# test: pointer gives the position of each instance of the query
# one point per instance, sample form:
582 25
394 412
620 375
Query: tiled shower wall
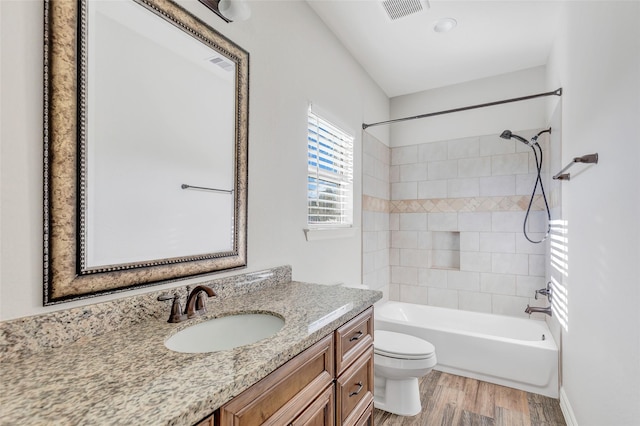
456 217
375 214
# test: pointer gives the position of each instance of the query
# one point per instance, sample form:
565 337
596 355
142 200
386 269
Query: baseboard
567 411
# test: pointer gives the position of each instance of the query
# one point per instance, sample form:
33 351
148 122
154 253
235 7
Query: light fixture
445 24
229 10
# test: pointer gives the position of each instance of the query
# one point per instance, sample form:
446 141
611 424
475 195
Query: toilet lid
397 345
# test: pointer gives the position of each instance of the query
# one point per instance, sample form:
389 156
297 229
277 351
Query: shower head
508 135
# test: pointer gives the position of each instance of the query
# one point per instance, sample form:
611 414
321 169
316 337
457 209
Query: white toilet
399 361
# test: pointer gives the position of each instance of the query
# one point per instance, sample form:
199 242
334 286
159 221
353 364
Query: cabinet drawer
353 338
284 394
354 389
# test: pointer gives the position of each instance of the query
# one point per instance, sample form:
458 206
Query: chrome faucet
533 309
196 303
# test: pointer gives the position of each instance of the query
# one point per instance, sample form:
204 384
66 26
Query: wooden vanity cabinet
326 385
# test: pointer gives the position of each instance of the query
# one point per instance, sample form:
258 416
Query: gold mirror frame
64 280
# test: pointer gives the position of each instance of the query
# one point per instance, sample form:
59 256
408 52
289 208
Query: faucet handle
176 309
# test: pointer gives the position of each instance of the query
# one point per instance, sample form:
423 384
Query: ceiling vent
397 9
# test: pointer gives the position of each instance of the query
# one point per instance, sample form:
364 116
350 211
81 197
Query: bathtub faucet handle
544 291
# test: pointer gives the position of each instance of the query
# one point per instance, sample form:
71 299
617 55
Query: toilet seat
401 346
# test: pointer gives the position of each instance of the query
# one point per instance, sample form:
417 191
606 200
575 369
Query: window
330 174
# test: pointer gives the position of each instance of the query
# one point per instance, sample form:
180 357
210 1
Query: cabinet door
367 417
319 413
354 389
284 394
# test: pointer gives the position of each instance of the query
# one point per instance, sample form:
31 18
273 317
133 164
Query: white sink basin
225 333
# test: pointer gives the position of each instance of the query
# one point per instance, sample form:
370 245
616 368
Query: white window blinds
330 174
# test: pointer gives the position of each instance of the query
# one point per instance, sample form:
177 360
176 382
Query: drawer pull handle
360 387
356 336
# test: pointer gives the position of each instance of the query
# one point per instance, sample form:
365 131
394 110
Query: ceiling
406 56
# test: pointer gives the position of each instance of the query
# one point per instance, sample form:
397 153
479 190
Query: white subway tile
443 297
526 285
394 174
475 261
394 221
404 275
432 189
507 221
432 277
368 262
509 305
425 240
432 151
404 239
394 291
413 172
413 222
394 257
381 259
510 164
494 145
537 265
474 167
462 280
443 222
442 169
476 222
404 191
537 221
383 238
472 301
524 246
524 184
446 240
469 241
414 294
498 242
369 241
463 148
467 187
368 165
506 263
381 171
498 284
414 257
445 259
382 221
495 186
404 155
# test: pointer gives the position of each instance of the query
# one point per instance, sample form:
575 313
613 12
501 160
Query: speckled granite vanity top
127 376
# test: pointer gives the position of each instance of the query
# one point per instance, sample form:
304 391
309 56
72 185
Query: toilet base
397 396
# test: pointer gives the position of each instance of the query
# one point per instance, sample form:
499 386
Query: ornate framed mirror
145 147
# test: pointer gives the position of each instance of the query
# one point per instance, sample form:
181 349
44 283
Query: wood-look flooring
449 400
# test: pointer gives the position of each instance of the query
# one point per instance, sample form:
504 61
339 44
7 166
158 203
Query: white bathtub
508 351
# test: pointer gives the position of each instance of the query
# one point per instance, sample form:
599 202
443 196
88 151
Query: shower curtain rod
557 92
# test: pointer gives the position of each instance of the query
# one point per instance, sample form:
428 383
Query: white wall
484 121
596 59
294 60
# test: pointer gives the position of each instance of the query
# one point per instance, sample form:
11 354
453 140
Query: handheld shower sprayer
507 134
533 144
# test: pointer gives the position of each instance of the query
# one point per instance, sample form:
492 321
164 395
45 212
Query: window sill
317 234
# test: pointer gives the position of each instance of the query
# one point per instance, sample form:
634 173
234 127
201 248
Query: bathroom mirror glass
145 147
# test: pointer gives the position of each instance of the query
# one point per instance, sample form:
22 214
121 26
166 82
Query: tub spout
533 309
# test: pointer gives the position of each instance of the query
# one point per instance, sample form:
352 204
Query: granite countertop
127 376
